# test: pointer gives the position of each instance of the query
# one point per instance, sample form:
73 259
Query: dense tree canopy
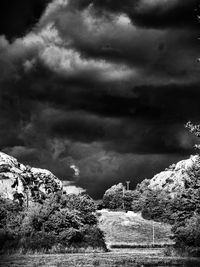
64 220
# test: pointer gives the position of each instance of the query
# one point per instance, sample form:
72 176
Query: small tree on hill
113 197
117 197
128 199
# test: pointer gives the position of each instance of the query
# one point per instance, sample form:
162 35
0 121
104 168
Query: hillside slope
131 229
181 175
18 181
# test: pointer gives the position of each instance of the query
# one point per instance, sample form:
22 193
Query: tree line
60 223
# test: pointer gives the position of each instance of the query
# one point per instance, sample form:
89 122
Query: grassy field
110 259
131 230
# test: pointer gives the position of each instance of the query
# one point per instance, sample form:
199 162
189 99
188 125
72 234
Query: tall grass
182 251
56 249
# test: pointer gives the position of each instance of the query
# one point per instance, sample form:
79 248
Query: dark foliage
113 197
65 220
117 197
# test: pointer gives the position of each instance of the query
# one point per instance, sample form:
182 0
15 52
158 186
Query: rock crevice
18 181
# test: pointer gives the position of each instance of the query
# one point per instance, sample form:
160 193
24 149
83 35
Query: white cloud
76 170
123 20
53 7
56 53
70 62
72 189
45 37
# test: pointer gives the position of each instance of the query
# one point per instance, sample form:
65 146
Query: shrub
94 237
61 219
188 231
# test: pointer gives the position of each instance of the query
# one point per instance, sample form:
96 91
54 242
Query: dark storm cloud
24 154
100 171
142 132
18 16
141 121
150 53
104 85
149 102
148 13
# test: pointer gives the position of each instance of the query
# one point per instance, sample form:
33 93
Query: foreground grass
135 258
130 230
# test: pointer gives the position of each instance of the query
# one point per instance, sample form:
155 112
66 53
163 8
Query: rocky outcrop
182 175
21 182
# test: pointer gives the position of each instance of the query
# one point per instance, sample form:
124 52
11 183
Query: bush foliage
117 198
65 220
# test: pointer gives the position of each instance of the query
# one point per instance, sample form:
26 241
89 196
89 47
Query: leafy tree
113 197
61 219
128 199
152 208
188 233
117 197
143 186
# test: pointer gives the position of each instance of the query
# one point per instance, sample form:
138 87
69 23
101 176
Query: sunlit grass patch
130 229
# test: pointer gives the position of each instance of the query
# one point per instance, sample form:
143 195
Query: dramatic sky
104 85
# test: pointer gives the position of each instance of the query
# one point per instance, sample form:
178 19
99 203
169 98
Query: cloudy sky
102 85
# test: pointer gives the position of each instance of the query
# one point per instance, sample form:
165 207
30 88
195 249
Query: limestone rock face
178 176
18 181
